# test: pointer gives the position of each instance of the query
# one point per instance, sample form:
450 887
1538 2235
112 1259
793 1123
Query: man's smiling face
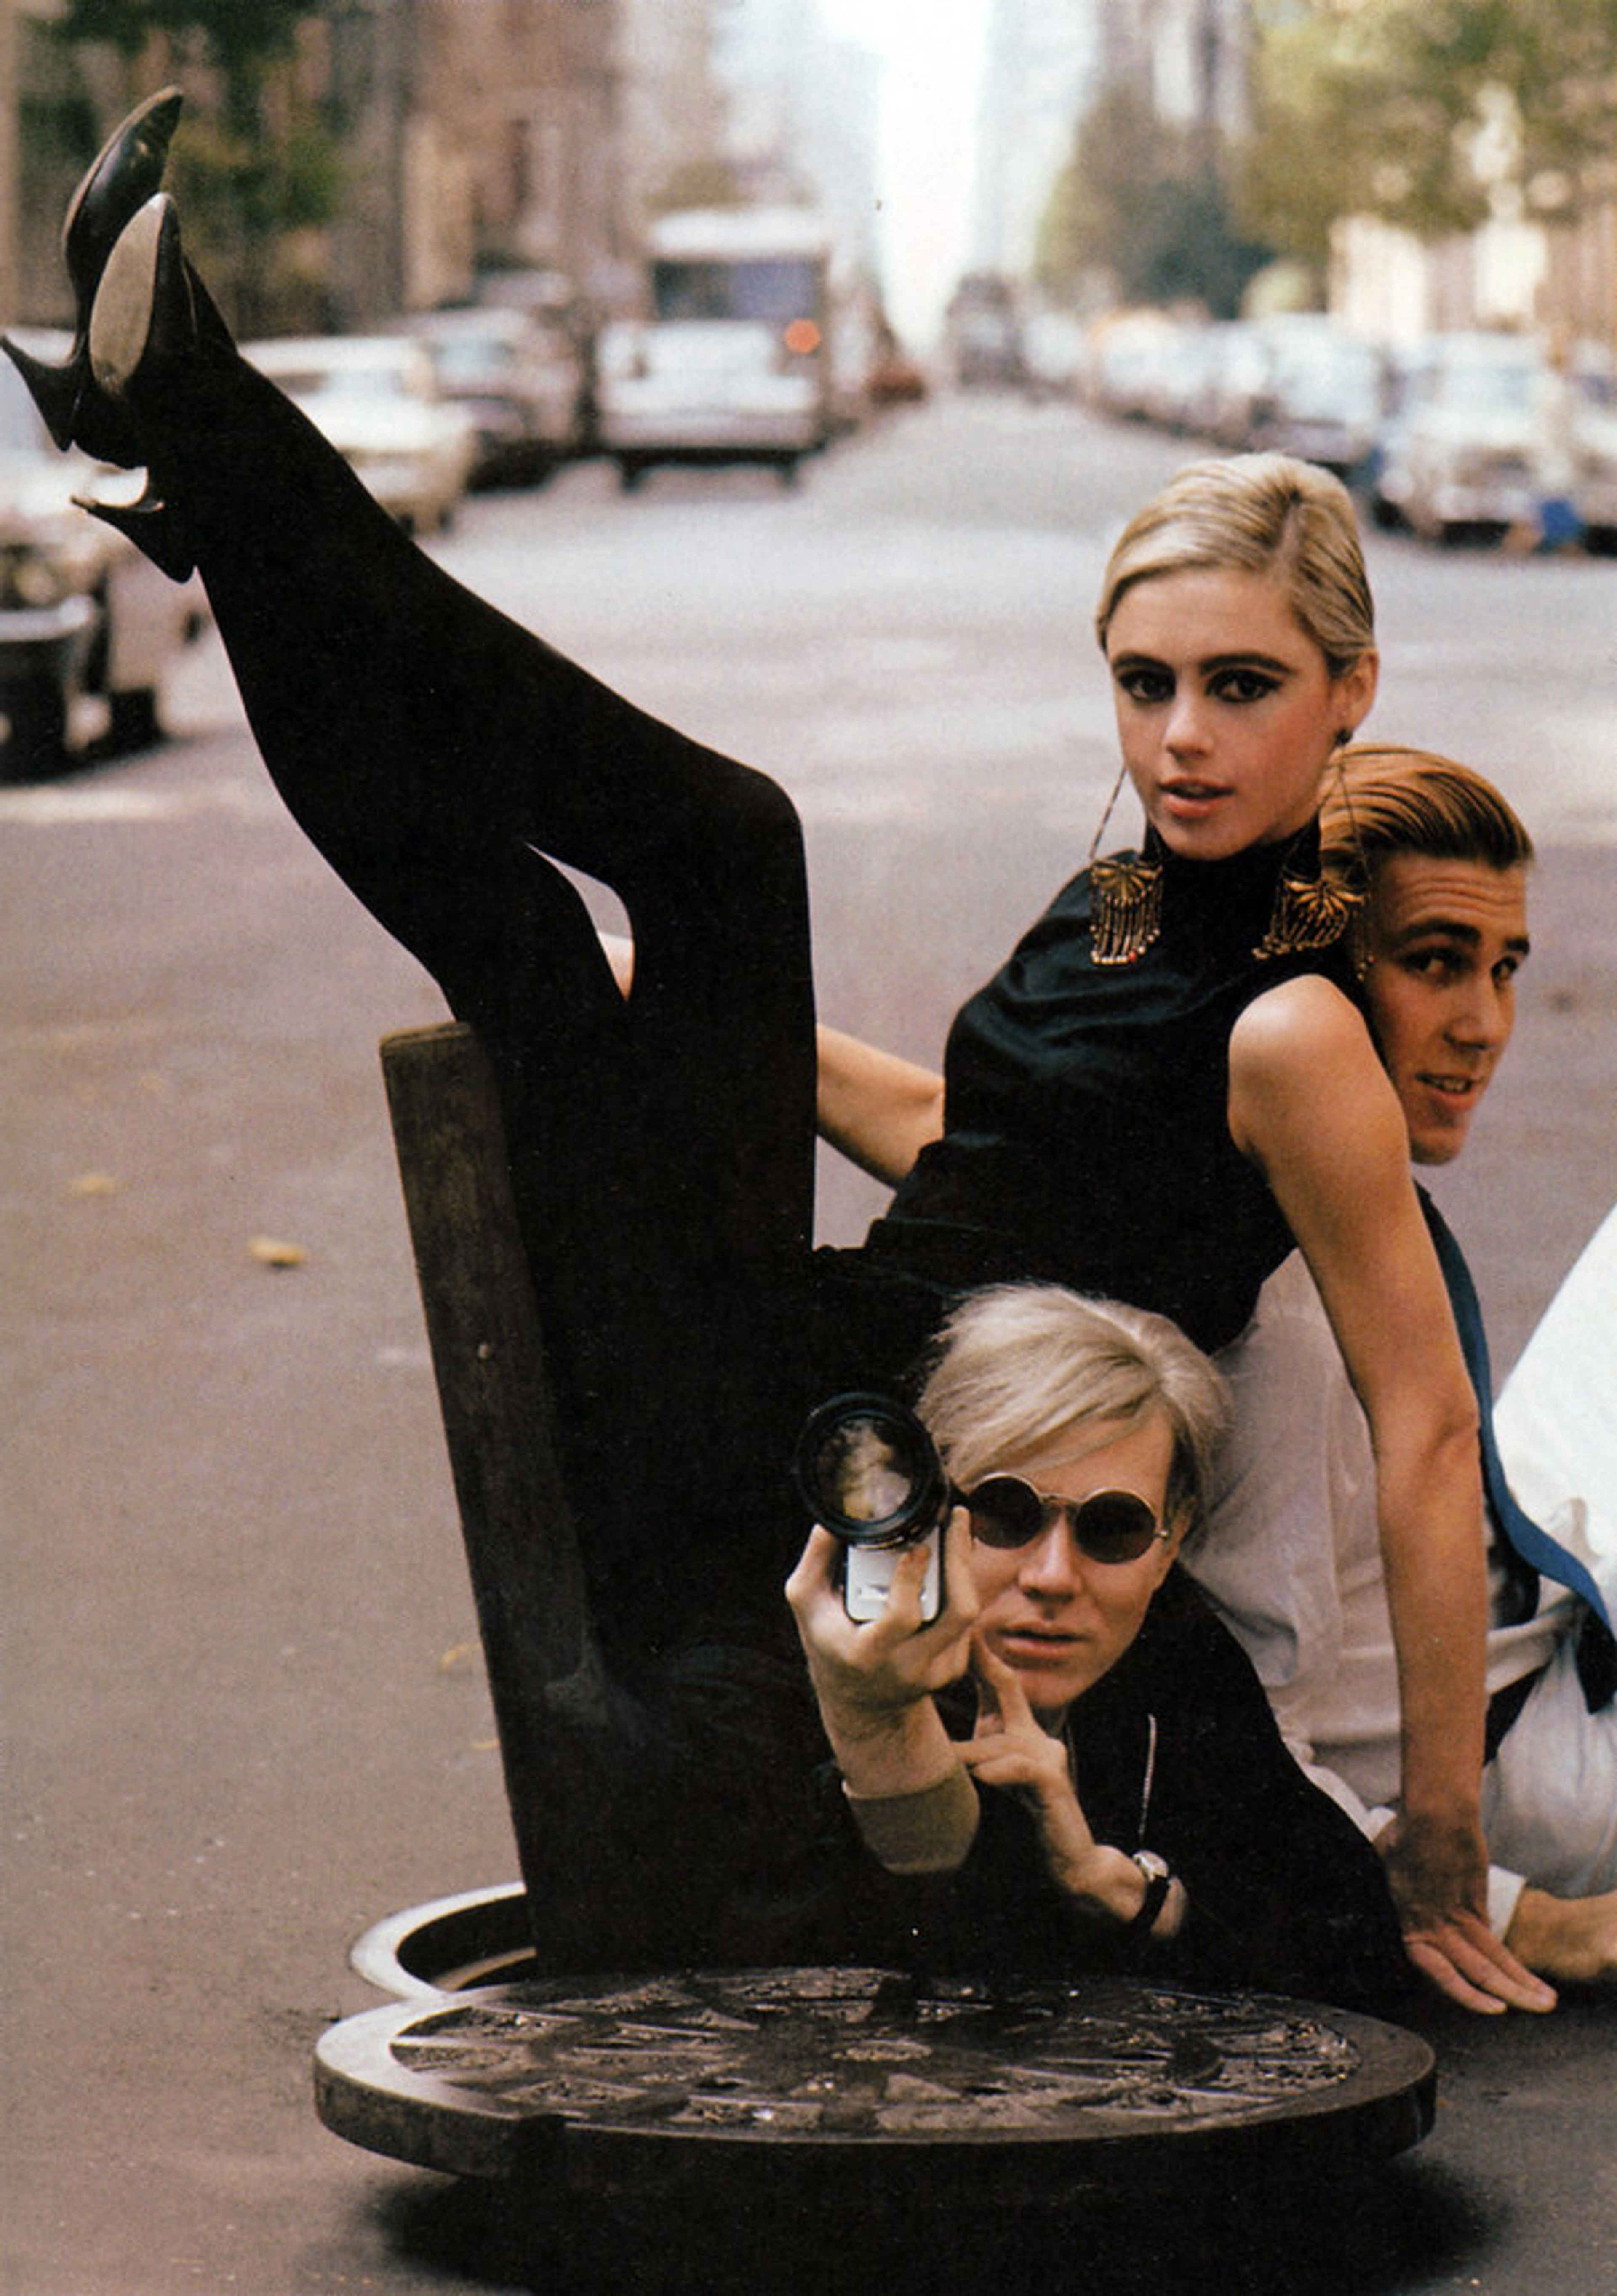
1446 939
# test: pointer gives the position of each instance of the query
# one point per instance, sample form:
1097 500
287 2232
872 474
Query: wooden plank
500 1424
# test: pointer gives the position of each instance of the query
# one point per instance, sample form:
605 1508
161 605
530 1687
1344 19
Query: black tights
443 758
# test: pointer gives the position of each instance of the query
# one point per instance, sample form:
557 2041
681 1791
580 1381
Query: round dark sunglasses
1107 1527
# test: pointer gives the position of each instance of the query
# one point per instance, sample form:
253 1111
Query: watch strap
1159 1880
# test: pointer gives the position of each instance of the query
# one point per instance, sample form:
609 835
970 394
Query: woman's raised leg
444 759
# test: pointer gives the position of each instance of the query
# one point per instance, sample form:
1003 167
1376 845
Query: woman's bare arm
1310 1104
879 1110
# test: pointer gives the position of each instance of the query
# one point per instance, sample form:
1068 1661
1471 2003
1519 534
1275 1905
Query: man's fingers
997 1761
1473 1948
812 1572
1000 1686
1443 1974
1473 1957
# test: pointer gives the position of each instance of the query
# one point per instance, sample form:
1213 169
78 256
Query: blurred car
520 376
1177 393
1239 370
1055 352
1130 354
983 333
376 399
81 610
1595 479
895 378
703 390
1409 367
1595 446
1474 445
1323 401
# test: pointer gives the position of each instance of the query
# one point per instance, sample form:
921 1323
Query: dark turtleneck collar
1223 908
1242 884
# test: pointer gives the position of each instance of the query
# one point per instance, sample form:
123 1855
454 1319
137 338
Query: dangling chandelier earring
1311 912
1126 912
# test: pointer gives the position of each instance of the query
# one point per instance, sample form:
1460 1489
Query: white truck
733 361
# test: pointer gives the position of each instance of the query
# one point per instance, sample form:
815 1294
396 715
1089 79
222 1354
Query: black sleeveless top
1087 1138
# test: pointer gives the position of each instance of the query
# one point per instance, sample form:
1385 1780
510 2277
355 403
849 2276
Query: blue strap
1597 1655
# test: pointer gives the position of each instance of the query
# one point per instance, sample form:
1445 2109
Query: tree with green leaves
1426 113
261 166
1142 200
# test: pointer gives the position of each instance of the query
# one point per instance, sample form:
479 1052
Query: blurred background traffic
479 240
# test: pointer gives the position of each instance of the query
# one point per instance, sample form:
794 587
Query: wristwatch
1159 1880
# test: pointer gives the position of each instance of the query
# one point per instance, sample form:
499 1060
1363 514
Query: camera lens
866 1469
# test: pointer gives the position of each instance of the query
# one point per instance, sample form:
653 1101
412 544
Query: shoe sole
120 323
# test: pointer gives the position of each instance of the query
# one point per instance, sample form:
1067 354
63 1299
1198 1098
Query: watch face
1155 1868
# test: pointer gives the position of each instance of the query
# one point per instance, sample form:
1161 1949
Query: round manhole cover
680 2075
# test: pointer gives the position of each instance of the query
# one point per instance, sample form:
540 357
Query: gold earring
1309 913
1127 912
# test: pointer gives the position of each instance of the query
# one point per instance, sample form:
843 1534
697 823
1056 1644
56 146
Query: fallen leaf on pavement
270 1252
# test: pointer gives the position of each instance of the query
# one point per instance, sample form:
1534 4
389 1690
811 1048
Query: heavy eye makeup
1243 684
1152 683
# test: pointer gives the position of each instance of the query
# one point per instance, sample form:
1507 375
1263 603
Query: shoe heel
152 525
55 390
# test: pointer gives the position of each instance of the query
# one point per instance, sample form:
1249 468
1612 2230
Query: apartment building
533 132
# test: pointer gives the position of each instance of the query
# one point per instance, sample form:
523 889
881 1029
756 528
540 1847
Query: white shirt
1290 1554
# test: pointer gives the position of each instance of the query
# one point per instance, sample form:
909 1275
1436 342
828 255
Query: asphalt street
244 1703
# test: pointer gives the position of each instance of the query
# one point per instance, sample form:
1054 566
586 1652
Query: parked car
1239 366
1472 446
376 399
1594 481
982 330
81 610
703 390
519 375
1594 478
1594 373
1055 351
1322 399
895 378
1131 353
1176 394
1409 368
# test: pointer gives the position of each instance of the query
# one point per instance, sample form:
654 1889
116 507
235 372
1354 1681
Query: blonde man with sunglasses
1071 1766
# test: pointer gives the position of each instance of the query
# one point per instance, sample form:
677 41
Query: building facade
1042 64
529 133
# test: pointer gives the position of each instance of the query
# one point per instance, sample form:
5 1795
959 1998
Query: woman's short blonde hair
1268 514
1020 1364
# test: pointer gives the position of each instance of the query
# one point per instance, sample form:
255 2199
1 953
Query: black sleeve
1283 1891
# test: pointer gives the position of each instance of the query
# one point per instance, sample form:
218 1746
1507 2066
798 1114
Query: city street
245 1711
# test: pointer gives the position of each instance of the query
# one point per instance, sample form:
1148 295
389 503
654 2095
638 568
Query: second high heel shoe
145 318
125 172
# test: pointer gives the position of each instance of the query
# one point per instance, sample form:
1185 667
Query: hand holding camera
868 1472
870 1477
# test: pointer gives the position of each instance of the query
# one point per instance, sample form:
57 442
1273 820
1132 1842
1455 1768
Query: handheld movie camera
868 1470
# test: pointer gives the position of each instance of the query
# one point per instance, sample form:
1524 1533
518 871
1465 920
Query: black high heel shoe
123 176
145 315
